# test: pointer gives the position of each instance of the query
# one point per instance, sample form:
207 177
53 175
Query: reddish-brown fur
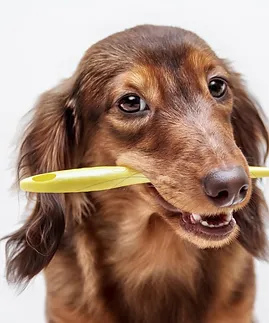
118 256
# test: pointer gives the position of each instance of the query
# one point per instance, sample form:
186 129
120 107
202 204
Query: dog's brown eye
217 88
132 104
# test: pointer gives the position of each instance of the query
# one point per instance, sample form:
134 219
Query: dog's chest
166 300
159 287
174 291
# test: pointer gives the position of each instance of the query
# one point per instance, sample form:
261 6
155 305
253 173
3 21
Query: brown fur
118 256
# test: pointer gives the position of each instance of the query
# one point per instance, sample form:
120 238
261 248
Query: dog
181 249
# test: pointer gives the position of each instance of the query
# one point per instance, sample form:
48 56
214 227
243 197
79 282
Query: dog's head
159 100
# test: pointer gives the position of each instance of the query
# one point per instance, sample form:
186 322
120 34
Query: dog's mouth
215 227
210 227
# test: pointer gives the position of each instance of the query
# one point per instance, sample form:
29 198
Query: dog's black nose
226 187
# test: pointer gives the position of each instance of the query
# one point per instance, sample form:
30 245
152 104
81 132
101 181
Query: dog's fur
117 256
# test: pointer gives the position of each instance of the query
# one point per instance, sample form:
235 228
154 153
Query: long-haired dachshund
180 250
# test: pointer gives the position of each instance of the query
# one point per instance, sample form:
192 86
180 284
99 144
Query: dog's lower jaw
202 242
205 230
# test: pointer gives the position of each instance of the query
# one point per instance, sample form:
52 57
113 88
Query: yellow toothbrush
96 179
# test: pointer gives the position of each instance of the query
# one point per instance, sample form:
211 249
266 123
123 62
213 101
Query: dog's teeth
222 224
204 223
228 218
196 217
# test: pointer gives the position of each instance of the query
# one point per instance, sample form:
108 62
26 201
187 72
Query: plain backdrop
41 43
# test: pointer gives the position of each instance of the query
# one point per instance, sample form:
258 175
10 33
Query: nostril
243 191
220 197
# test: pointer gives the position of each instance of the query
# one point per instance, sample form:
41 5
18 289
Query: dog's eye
132 103
217 87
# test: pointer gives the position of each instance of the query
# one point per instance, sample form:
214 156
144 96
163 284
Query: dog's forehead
151 60
154 80
152 45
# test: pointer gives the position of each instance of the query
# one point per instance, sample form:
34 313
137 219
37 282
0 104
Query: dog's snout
226 187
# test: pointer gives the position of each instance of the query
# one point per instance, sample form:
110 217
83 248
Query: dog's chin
205 231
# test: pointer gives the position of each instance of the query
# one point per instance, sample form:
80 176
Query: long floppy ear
251 135
49 144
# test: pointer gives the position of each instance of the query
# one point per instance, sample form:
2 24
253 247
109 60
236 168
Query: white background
41 42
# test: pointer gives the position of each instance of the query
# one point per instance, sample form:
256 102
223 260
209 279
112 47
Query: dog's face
168 114
156 99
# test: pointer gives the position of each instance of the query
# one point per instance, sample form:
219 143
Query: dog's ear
49 143
251 135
